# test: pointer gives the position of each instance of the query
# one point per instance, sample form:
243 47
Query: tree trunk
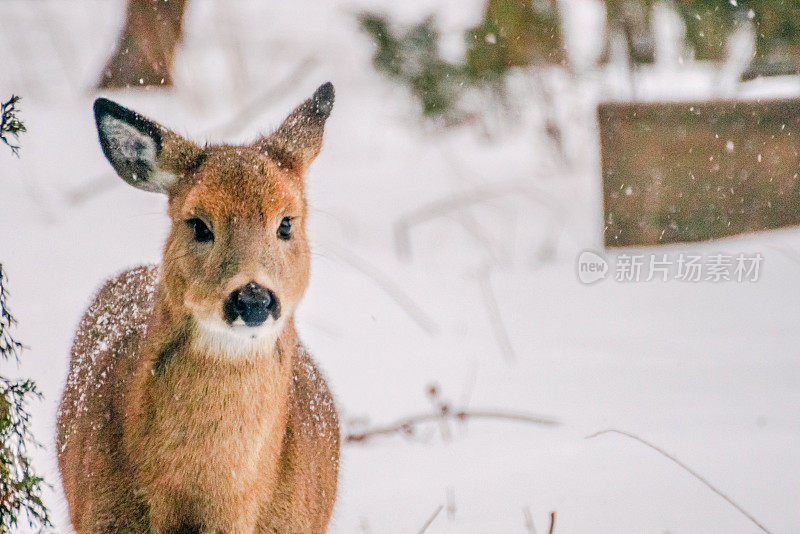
146 49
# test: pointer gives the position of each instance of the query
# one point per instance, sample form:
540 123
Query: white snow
708 371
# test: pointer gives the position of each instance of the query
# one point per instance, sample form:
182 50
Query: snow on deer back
190 404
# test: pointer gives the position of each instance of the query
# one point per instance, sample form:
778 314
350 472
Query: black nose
253 303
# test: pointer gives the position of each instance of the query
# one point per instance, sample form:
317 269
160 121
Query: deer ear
297 141
143 153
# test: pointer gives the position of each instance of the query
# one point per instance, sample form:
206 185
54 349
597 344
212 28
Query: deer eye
285 229
202 233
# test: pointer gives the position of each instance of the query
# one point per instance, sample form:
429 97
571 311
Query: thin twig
89 189
390 287
231 44
451 503
442 407
526 513
468 222
550 123
37 194
495 317
552 522
459 201
686 468
254 107
61 43
430 520
407 425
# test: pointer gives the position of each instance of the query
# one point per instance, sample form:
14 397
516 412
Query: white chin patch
238 340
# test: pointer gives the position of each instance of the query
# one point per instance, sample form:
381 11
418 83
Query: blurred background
476 150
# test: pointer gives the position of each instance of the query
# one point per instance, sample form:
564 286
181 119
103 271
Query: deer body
191 405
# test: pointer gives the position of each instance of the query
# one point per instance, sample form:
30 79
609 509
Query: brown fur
162 431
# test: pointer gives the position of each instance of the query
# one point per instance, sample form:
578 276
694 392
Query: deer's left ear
298 140
144 154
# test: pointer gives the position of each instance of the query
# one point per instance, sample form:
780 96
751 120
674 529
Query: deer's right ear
143 153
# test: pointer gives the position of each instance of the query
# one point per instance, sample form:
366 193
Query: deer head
236 260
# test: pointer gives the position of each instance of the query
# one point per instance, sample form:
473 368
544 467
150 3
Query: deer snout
252 302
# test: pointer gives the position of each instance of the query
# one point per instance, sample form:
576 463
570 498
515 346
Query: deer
191 405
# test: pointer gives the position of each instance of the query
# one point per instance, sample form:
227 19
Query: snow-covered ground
708 371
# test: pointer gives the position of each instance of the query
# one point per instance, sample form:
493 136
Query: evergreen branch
9 347
20 486
10 125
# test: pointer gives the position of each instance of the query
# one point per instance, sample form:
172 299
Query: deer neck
204 409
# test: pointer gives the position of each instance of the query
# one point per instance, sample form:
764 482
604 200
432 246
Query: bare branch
459 201
390 288
686 468
451 503
89 189
495 317
552 522
440 406
431 519
526 513
550 125
407 425
252 108
468 222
